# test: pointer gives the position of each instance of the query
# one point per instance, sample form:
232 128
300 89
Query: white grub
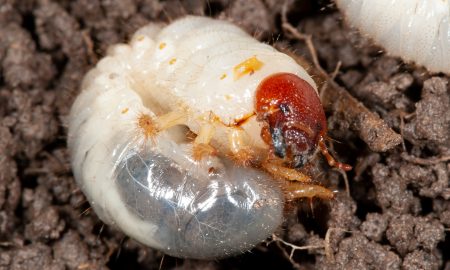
415 30
148 185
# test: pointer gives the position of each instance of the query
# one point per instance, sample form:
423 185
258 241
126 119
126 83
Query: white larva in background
415 30
140 172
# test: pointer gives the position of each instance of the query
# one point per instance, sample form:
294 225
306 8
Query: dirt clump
390 120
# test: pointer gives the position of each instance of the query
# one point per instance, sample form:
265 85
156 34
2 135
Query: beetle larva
196 197
416 30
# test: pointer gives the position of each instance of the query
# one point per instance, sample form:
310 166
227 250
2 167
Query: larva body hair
166 127
415 30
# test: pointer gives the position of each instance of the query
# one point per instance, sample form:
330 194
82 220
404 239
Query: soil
393 127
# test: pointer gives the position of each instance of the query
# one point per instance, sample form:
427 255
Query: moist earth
392 123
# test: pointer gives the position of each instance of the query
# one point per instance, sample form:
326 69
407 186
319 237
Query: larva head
293 115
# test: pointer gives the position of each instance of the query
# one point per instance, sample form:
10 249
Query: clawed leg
300 185
201 146
240 150
152 127
171 119
285 173
296 190
330 159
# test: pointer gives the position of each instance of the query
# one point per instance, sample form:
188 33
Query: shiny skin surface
293 114
415 30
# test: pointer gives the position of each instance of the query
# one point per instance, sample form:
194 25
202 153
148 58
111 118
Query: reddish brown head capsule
293 115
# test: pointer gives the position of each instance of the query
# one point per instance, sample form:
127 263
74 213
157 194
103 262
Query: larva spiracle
415 30
237 97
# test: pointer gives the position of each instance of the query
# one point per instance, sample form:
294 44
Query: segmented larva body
238 97
416 30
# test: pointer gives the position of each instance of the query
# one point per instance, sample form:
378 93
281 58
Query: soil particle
374 226
252 16
342 213
8 14
431 124
406 233
30 119
420 259
357 252
71 251
351 78
119 9
89 11
46 225
429 232
351 114
9 183
10 187
296 233
34 256
152 9
401 81
380 93
56 28
391 120
443 209
392 192
332 48
430 181
384 68
21 65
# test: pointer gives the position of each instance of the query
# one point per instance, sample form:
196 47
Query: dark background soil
398 212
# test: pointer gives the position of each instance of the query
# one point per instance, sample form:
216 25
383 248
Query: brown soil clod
396 217
369 127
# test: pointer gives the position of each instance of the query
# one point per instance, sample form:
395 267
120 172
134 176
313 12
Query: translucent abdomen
206 210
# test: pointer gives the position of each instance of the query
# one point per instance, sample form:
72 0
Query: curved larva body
151 187
416 30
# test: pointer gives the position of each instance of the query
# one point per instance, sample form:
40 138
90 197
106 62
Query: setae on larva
416 30
173 135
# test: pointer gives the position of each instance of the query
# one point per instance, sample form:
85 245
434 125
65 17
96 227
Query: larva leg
240 150
201 146
300 185
170 119
285 173
151 126
330 159
297 190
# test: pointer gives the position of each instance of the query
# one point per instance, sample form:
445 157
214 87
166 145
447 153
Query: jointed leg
285 173
300 185
330 159
201 146
171 119
240 150
151 127
296 190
